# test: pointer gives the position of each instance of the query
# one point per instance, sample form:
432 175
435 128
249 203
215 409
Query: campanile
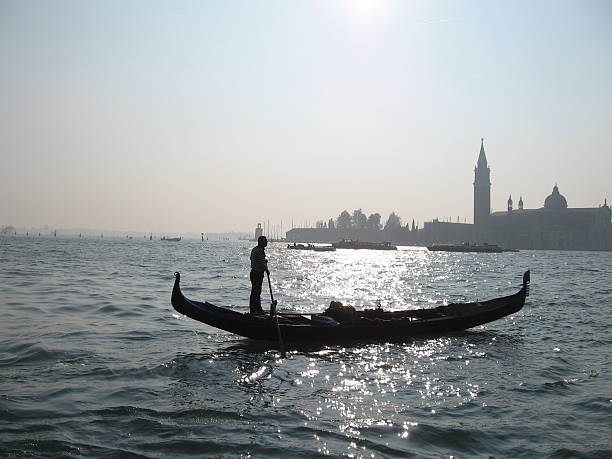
482 189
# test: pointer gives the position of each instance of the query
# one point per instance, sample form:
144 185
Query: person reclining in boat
259 266
341 312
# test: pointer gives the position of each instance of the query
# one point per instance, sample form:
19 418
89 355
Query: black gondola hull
462 317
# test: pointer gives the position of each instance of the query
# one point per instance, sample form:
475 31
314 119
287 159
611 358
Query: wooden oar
274 316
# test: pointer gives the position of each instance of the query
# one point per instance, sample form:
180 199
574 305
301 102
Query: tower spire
482 157
482 188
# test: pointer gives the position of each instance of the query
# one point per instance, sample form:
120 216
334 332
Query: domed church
555 200
553 226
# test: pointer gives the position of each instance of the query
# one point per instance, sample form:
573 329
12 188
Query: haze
213 116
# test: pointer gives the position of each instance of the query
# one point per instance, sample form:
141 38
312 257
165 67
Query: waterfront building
258 231
555 225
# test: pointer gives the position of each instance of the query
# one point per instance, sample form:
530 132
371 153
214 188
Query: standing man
259 266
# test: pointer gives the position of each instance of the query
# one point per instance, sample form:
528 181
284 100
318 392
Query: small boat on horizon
171 239
357 245
315 248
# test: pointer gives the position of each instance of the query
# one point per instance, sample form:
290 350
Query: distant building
482 189
258 231
553 226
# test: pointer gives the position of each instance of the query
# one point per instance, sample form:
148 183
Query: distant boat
324 248
170 239
315 248
351 244
295 246
467 247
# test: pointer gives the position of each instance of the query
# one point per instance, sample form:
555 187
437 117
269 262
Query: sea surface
95 362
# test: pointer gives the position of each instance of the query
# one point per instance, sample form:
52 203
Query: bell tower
482 189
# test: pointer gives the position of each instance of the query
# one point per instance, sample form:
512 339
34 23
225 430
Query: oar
275 316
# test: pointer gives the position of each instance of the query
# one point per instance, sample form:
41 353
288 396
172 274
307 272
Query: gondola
363 325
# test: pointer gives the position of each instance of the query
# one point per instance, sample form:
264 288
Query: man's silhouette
259 266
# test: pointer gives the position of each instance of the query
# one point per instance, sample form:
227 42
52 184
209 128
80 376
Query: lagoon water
94 361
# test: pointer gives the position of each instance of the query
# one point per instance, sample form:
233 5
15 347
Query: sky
212 116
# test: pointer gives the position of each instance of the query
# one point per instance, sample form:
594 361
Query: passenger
259 266
341 312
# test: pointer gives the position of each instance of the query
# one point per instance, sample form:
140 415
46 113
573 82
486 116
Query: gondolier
259 266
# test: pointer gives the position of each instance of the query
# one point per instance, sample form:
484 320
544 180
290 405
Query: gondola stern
177 296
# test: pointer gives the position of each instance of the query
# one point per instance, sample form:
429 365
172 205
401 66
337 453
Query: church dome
555 200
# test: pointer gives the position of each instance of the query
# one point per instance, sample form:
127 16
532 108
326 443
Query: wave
29 353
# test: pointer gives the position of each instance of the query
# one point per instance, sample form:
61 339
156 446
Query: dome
555 200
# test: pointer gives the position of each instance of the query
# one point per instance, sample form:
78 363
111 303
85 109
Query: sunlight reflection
360 379
365 278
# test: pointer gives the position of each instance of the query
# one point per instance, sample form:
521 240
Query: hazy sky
197 116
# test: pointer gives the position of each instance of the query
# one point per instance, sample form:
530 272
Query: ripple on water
28 353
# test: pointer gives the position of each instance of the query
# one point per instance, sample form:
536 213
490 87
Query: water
94 361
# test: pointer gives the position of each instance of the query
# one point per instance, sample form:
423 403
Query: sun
367 10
